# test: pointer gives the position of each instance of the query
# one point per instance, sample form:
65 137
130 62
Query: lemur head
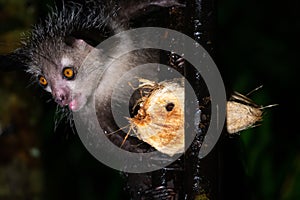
56 71
57 47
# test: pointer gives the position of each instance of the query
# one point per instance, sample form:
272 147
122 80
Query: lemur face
56 70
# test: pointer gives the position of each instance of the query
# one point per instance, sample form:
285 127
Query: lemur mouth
75 103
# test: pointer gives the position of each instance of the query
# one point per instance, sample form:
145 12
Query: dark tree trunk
189 177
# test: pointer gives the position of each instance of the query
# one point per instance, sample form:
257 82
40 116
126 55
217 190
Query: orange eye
43 82
68 73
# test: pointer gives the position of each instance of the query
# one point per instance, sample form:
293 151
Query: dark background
257 44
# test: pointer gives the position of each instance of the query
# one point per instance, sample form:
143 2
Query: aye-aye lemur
55 49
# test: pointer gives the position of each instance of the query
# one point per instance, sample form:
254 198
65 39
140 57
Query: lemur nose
61 96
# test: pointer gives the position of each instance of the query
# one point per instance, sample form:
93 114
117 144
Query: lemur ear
13 61
132 9
78 43
90 37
